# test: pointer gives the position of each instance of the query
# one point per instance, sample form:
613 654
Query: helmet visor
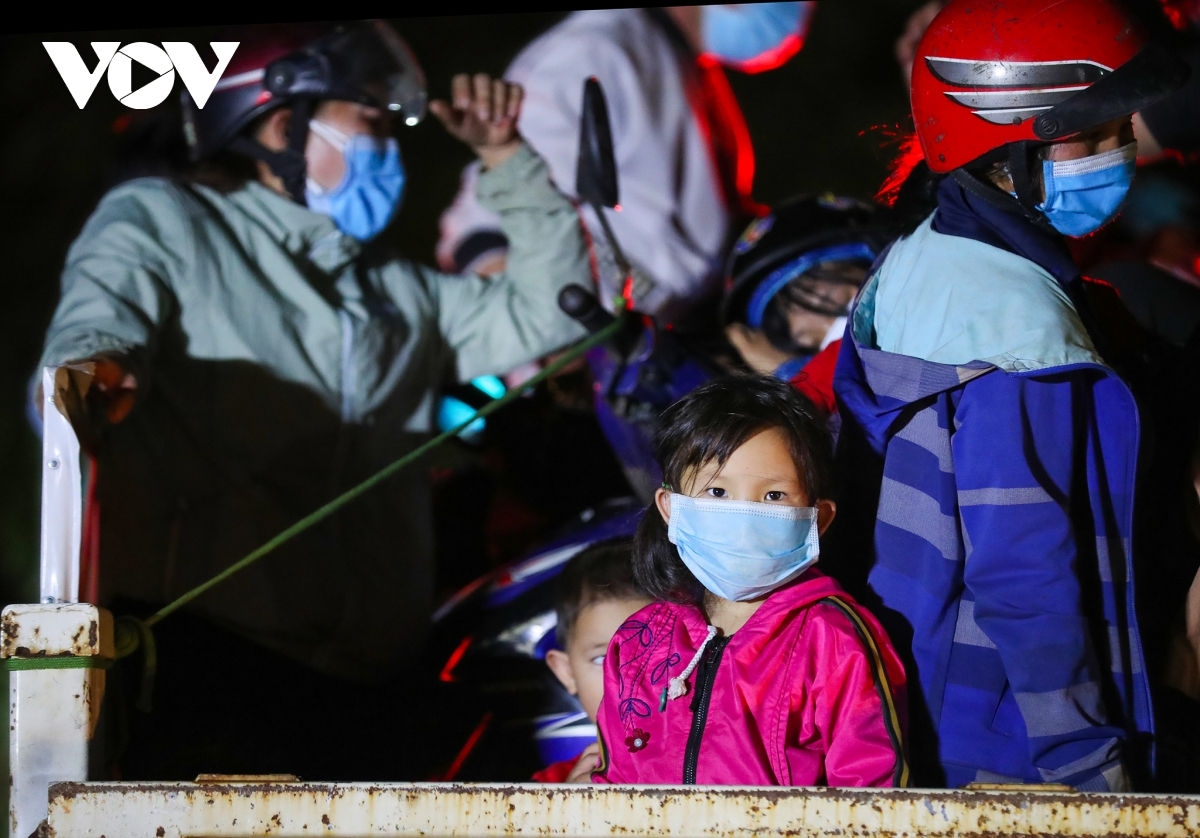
796 270
1153 73
365 62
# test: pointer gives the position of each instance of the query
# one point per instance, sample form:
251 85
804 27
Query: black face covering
290 164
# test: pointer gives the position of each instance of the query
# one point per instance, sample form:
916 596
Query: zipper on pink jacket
704 686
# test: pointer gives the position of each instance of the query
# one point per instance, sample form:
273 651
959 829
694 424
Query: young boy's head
596 593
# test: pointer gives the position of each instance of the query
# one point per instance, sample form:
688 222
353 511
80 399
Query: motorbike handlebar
636 332
584 306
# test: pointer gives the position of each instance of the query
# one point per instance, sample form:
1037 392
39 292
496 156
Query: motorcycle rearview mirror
596 171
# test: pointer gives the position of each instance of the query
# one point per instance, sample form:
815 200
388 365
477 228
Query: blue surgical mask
741 550
738 33
1082 195
370 191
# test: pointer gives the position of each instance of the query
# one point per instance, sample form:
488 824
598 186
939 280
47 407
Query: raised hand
482 112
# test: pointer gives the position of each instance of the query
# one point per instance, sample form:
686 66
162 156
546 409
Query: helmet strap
1020 157
980 187
296 169
1023 160
290 164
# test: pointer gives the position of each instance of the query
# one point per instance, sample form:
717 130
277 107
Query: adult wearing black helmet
976 375
253 350
366 67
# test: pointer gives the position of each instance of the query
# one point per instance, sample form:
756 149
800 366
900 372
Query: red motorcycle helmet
276 65
988 73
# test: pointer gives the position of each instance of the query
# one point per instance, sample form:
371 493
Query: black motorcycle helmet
300 65
782 254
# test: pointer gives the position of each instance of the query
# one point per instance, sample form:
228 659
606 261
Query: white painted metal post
62 499
56 654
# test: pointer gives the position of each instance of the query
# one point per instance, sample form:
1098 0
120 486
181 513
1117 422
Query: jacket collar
961 212
299 230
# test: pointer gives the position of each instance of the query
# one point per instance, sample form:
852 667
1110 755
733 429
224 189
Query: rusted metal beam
234 809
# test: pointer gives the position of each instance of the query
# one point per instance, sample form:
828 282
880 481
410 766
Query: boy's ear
560 665
826 510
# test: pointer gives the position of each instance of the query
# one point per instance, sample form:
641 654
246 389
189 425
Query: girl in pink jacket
753 667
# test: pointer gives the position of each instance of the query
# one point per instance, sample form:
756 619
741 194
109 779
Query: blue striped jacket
1002 535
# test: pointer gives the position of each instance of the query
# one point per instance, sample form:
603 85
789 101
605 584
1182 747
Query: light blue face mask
1083 195
742 550
740 32
370 191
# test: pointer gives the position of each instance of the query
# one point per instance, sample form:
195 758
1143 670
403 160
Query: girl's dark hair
597 573
708 425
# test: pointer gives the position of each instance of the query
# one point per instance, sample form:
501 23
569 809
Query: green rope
137 632
132 633
57 662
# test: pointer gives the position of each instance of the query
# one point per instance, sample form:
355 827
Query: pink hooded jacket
809 692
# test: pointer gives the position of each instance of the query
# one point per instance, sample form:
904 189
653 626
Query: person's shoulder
649 612
147 202
928 247
828 612
811 585
813 594
985 278
148 188
658 622
605 36
592 23
160 193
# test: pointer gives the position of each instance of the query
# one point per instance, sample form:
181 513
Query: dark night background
807 120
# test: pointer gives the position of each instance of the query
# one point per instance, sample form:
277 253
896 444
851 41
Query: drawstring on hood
677 686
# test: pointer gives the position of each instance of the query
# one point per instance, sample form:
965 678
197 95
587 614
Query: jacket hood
877 387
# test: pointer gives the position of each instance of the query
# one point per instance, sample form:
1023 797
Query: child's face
581 667
831 287
761 470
